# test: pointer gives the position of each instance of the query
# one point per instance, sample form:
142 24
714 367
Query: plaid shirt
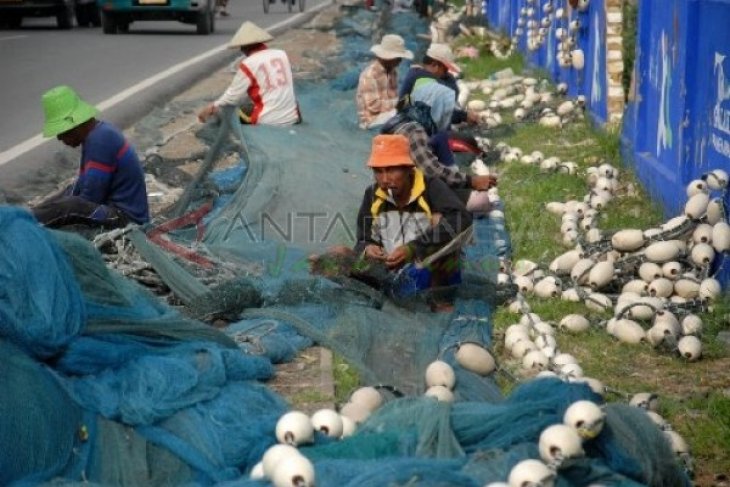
377 92
425 159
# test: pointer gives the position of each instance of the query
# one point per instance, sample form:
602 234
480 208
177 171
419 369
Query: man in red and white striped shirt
264 77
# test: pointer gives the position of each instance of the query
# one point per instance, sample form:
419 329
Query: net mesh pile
112 386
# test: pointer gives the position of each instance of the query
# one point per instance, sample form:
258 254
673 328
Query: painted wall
592 80
677 124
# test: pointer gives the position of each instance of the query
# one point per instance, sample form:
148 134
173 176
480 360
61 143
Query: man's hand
483 183
207 112
376 252
472 117
398 257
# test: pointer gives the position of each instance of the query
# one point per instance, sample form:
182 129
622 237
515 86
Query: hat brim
375 163
453 68
82 113
387 54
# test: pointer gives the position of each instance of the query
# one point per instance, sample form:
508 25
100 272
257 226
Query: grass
346 379
692 395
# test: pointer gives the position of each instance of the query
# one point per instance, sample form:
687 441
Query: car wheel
123 26
108 23
64 17
81 15
205 22
14 21
92 13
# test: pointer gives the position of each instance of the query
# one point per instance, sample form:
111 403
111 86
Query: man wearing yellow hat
110 188
264 77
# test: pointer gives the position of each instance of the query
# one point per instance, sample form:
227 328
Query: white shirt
266 78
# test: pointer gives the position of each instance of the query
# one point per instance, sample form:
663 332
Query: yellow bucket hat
64 110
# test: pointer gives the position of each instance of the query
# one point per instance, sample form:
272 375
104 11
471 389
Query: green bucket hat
64 110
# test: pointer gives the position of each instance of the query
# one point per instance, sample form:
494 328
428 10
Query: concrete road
124 74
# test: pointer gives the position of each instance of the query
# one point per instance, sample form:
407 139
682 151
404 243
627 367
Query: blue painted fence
677 126
592 80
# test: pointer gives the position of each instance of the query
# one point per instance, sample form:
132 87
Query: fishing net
112 385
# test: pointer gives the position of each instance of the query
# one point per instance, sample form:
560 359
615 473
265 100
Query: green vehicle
116 15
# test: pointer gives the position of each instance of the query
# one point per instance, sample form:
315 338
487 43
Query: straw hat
390 151
392 46
249 33
64 110
442 53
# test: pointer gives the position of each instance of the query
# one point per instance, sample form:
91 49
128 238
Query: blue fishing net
111 386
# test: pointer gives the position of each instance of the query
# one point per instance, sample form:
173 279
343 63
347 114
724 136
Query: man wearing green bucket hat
110 189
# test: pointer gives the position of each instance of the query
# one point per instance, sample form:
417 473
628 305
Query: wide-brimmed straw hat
390 150
443 54
249 33
392 46
64 110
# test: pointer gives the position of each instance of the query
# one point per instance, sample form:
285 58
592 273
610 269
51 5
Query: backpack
409 111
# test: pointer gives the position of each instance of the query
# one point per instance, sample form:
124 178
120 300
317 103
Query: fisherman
404 218
110 189
438 63
263 82
377 88
427 114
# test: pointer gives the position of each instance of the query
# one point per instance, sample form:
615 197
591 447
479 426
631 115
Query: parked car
116 15
12 12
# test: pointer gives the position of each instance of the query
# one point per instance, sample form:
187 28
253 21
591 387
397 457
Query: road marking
12 38
38 140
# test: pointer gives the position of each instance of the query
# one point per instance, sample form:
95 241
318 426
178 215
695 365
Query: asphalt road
124 75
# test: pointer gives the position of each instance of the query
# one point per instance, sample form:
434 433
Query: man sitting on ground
264 79
429 113
377 88
110 189
404 218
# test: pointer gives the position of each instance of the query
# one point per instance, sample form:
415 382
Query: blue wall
677 126
592 80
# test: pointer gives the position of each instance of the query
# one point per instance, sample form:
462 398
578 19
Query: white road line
12 38
38 140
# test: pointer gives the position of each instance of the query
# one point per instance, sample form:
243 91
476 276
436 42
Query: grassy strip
694 397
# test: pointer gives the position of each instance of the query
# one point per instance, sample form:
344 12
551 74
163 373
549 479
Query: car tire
14 21
82 18
205 22
94 14
108 23
64 17
123 27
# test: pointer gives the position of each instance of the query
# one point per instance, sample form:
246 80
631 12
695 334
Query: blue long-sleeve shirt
110 173
416 73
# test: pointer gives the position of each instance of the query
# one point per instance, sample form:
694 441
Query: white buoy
636 286
661 252
687 288
690 347
294 428
293 471
710 289
535 360
531 472
598 302
558 443
257 472
586 417
475 358
691 325
348 426
696 206
696 186
645 400
575 323
356 412
328 422
439 373
721 236
368 396
717 179
672 270
629 331
715 211
600 275
440 393
274 455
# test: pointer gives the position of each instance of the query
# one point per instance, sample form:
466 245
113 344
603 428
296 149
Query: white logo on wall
596 94
720 114
664 128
